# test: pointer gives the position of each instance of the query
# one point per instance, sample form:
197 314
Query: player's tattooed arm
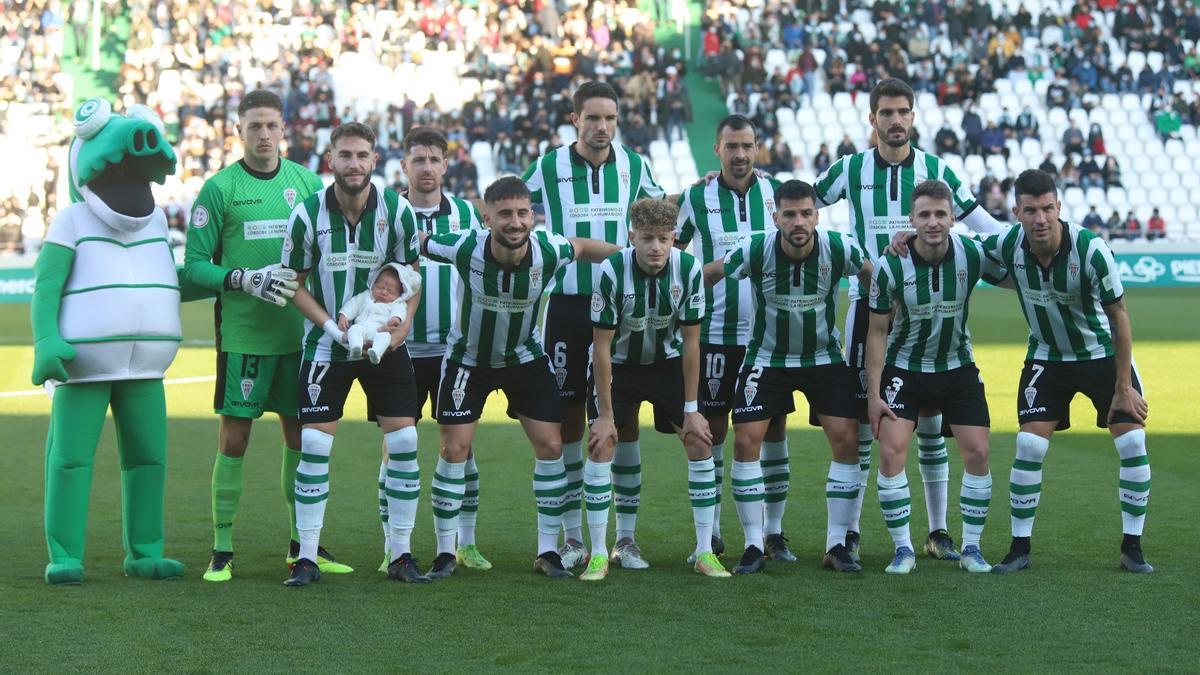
1125 397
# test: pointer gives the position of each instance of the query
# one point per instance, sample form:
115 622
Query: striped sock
1134 491
896 503
746 480
702 491
776 477
403 488
1025 482
865 439
470 505
934 463
226 492
627 486
973 503
446 495
383 506
287 485
312 489
549 488
572 514
718 457
597 495
841 492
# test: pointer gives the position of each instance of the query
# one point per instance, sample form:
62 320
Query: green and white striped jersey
795 318
1064 303
646 311
880 196
341 256
721 217
929 333
439 284
498 306
582 200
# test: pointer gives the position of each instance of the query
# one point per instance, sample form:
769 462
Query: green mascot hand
50 351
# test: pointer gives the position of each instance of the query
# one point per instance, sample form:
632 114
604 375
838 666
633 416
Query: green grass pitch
1074 610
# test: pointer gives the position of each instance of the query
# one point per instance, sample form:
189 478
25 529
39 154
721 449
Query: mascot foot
153 568
64 574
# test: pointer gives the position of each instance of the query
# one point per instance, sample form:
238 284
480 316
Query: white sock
627 486
1134 490
973 503
383 505
841 491
934 463
312 489
718 456
702 490
896 503
470 506
865 439
572 510
597 497
1025 482
746 482
403 488
446 494
549 488
776 477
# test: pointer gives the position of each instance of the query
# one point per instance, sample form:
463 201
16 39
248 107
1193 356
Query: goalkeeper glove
274 284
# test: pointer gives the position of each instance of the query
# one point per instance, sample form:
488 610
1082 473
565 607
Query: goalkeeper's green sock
287 485
226 491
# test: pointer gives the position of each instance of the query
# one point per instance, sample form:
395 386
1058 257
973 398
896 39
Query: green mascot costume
106 327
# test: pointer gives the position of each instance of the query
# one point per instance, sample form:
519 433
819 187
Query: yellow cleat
221 567
708 565
597 569
469 556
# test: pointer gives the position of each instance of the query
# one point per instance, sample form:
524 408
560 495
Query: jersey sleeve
62 229
692 311
534 181
204 238
648 187
991 269
831 186
444 247
475 218
964 200
559 246
853 256
685 224
737 260
404 225
605 308
1103 272
298 244
880 300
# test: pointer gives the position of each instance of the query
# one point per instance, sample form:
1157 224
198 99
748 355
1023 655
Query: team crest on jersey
676 294
380 224
535 277
248 386
199 217
770 202
624 178
1030 396
823 270
1073 268
714 385
289 195
962 277
560 376
314 393
751 392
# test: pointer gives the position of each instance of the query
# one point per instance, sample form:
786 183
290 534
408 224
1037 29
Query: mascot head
113 160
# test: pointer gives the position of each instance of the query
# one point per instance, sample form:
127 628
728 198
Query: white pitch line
42 392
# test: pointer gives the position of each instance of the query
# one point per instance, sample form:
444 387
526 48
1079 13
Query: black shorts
957 393
719 367
1047 388
765 393
529 387
426 370
858 320
390 388
568 345
659 384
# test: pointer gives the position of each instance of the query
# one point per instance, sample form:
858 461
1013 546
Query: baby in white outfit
372 309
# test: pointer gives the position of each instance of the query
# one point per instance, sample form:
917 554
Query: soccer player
1079 342
494 344
719 214
795 271
919 308
878 184
338 240
587 188
238 223
646 316
425 166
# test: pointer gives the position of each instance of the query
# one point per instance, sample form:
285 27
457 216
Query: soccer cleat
718 546
940 546
550 564
1133 560
325 560
387 560
597 569
1013 562
708 565
405 569
903 562
628 555
753 561
221 566
838 559
469 556
777 548
572 553
443 566
972 560
852 543
304 572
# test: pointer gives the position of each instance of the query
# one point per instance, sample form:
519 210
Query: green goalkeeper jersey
240 220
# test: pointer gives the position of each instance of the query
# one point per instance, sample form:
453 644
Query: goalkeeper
234 241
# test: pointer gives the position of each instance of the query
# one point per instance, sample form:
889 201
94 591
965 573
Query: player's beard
347 188
896 143
740 171
503 241
799 238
